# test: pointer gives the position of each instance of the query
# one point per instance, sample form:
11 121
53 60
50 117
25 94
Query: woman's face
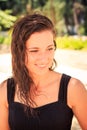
40 52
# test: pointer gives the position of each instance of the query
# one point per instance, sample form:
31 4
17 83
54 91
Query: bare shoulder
3 92
77 100
76 90
3 86
76 85
3 107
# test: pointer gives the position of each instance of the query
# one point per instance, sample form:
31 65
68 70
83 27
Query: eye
33 51
50 49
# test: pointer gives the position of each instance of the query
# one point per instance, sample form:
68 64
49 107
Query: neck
40 81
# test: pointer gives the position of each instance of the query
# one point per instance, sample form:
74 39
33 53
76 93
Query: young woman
36 97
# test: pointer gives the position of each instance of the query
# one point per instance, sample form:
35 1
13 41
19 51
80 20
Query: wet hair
22 30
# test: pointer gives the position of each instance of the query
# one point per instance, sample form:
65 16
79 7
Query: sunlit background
70 21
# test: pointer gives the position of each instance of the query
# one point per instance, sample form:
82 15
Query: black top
53 116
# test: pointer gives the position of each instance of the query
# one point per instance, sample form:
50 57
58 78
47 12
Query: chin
41 73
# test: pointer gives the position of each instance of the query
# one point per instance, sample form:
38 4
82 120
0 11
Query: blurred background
68 16
70 21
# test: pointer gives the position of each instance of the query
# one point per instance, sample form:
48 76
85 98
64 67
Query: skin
40 53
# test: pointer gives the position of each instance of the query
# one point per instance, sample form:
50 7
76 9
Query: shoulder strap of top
10 90
63 88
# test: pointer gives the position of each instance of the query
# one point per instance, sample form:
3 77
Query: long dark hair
22 30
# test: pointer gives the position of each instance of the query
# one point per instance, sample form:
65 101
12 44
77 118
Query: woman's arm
3 107
77 99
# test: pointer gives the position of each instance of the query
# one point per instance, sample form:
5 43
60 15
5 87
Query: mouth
41 66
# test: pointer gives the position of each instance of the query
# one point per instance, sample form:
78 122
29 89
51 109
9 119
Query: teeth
41 65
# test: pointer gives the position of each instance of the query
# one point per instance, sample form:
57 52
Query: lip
41 66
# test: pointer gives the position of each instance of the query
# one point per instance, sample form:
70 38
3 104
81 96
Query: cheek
28 60
51 60
30 63
51 56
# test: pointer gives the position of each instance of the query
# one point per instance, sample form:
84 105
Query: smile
42 66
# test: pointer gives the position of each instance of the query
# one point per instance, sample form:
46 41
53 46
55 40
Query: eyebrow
38 48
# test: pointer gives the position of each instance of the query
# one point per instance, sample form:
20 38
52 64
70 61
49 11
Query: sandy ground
73 63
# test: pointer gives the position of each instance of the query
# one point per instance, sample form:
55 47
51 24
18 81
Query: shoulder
3 87
3 92
76 92
77 97
76 85
4 106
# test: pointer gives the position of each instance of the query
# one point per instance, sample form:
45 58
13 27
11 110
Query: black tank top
54 116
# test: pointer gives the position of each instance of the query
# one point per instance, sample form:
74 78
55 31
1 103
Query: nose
43 57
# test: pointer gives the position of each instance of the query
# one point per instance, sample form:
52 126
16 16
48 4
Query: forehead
43 38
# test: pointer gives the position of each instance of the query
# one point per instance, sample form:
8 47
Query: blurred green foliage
6 37
6 20
75 43
66 42
1 39
59 11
